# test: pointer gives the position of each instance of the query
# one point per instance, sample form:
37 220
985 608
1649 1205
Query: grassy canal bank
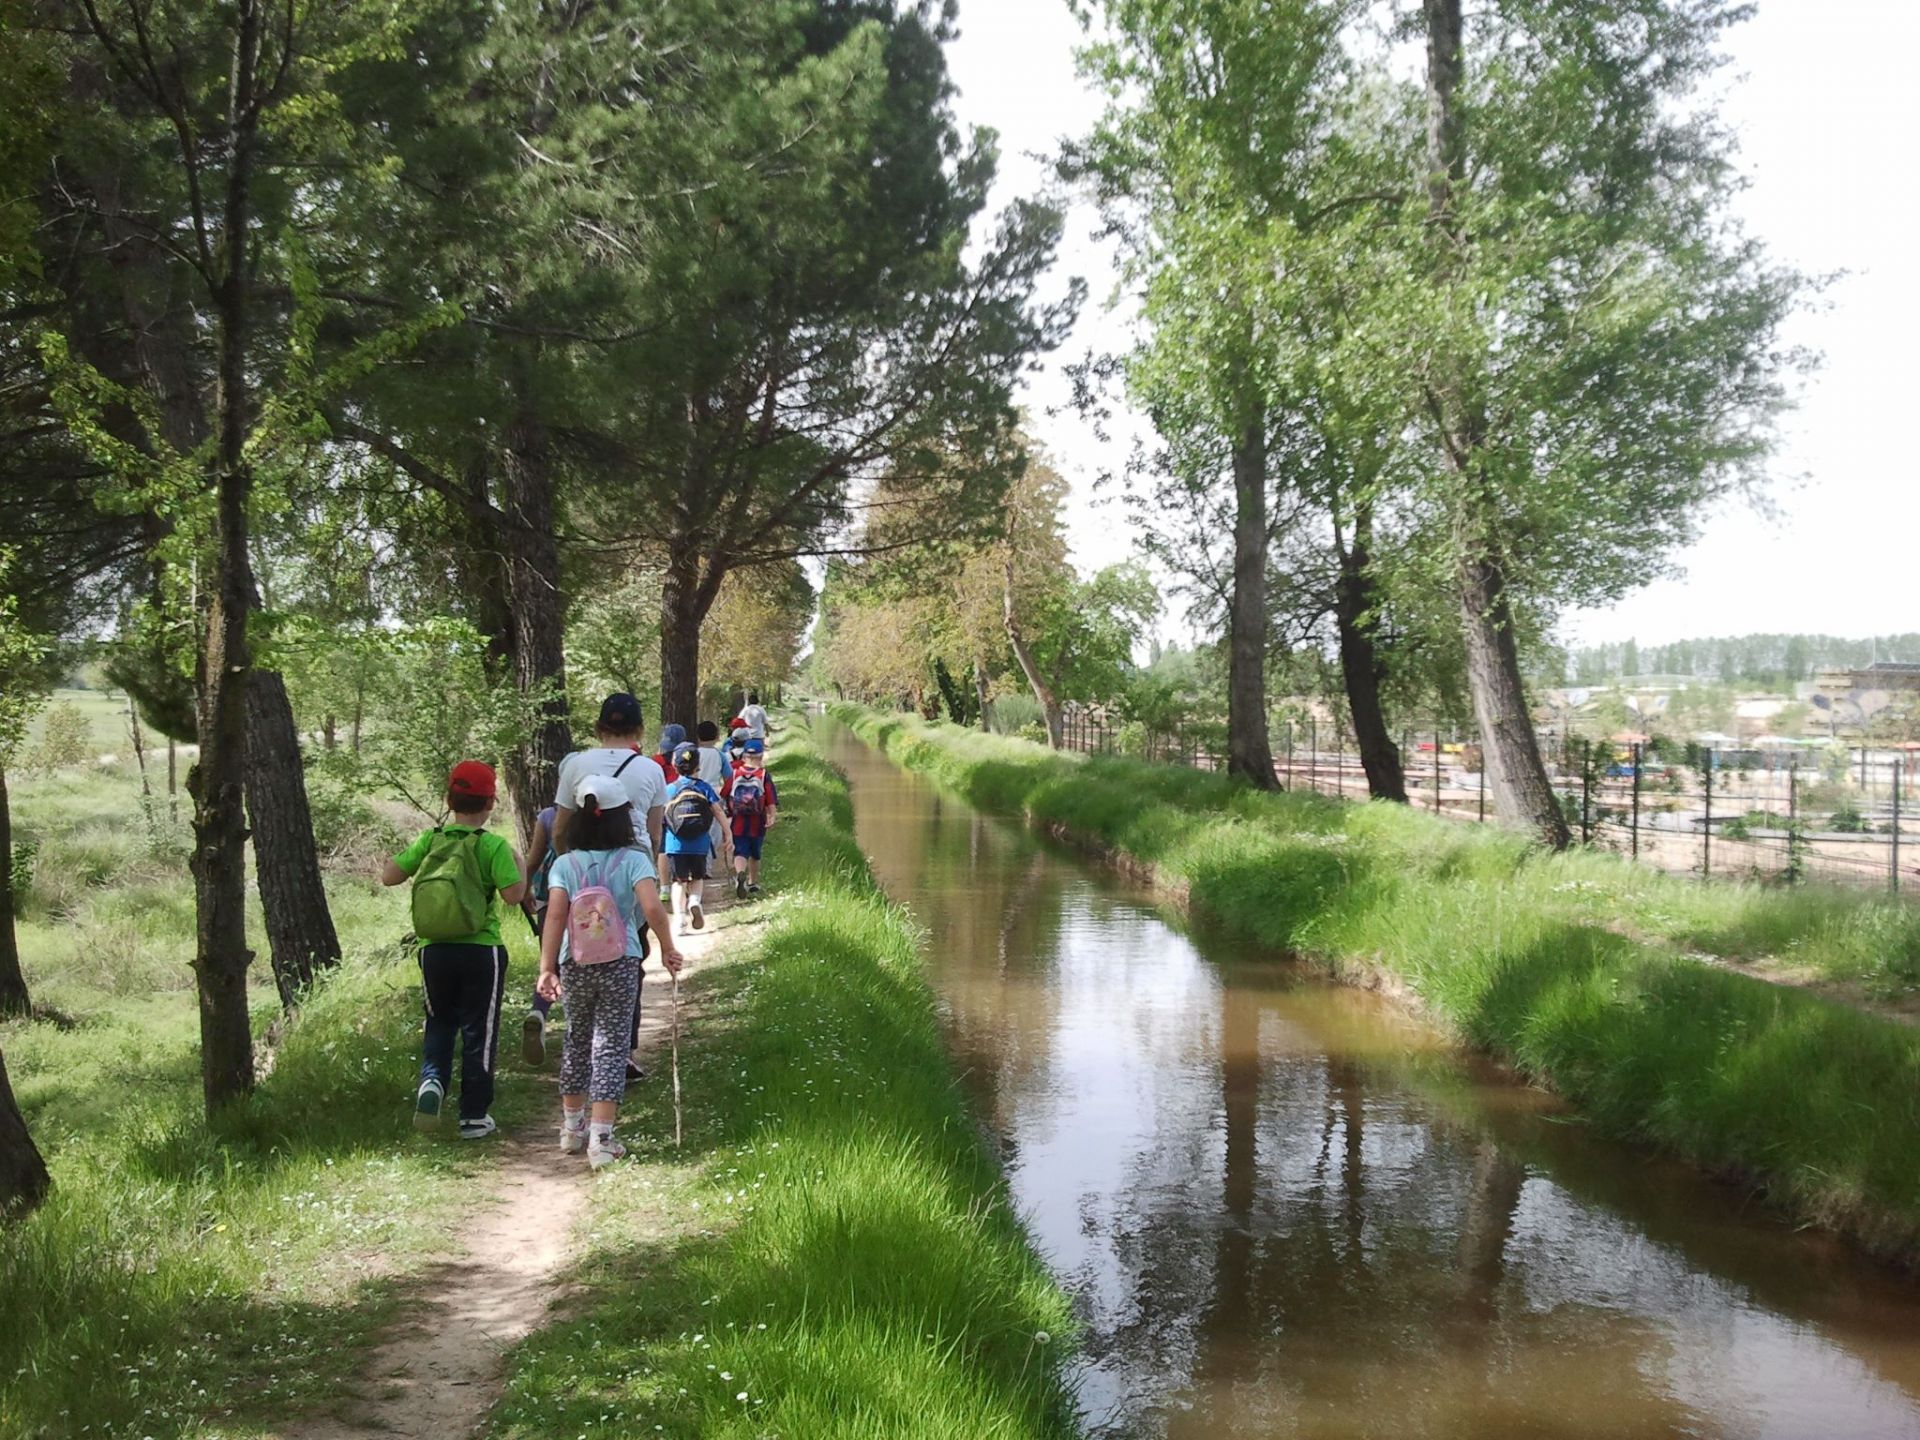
1573 968
831 1253
832 1242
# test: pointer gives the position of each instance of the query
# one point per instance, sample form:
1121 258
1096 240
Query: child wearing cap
751 801
618 753
461 875
692 806
591 950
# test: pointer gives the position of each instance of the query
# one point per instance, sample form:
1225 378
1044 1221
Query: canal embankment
1574 969
831 1251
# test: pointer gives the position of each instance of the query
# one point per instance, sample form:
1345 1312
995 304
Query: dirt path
439 1370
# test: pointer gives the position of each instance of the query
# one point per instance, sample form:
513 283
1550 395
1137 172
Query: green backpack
450 894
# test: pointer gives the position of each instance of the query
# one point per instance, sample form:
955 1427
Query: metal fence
1712 810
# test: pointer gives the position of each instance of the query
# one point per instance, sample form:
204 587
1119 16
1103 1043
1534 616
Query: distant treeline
1772 660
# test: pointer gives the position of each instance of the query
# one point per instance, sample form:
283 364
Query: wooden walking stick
676 1058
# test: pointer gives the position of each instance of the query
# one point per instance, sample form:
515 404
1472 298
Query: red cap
736 723
471 777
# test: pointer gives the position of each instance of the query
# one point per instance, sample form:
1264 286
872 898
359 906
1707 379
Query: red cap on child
471 777
736 723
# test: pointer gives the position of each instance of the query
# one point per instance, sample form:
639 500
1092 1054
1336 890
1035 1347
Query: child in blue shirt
692 807
602 853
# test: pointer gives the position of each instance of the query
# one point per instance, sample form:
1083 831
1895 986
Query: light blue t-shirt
619 871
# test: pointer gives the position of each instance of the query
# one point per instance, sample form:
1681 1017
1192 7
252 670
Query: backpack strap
626 762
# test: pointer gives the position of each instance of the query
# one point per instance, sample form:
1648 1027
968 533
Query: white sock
574 1120
601 1130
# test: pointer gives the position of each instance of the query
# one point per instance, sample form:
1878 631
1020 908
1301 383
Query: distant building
1850 696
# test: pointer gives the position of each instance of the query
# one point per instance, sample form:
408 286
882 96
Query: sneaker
604 1152
426 1105
635 1073
697 917
753 891
477 1129
572 1141
533 1039
740 885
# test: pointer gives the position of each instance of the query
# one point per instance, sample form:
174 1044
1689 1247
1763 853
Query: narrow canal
1285 1209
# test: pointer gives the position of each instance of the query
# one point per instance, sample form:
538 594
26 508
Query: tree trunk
538 615
300 933
224 661
14 999
1355 599
1516 774
1514 770
23 1174
680 617
1042 692
1249 753
980 692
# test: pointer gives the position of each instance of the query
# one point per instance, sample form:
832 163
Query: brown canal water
1284 1208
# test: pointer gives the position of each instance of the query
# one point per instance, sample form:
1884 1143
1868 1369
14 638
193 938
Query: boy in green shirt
462 876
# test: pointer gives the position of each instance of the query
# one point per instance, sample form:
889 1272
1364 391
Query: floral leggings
599 1000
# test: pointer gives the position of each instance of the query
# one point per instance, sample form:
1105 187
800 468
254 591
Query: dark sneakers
740 885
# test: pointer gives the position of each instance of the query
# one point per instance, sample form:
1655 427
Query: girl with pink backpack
601 890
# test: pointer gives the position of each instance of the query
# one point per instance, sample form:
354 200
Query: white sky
1823 109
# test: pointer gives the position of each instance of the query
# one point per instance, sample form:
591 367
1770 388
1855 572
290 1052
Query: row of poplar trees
542 289
1446 326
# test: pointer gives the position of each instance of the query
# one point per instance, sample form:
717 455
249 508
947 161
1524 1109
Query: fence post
1635 752
1794 853
1289 754
1339 761
1586 792
1313 752
1706 830
1483 781
1896 824
1436 772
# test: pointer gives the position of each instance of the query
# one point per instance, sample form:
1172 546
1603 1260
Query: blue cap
671 736
755 745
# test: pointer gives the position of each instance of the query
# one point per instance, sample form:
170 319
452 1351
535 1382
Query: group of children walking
623 826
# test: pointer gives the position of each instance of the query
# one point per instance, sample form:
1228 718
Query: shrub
1847 820
1012 714
25 852
66 738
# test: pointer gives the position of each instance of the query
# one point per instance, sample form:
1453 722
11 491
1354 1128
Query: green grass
187 1279
834 1242
1572 967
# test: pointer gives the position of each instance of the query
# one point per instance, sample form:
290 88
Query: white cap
606 792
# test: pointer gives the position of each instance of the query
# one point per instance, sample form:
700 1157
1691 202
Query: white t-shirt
756 718
646 786
712 768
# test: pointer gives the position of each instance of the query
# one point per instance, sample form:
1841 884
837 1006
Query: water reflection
1283 1209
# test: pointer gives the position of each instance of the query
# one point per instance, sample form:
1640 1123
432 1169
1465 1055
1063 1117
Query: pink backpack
596 931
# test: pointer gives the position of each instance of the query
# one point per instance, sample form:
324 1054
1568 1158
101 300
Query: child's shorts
688 867
747 847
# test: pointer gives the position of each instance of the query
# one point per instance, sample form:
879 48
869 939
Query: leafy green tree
1596 341
193 143
1211 132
